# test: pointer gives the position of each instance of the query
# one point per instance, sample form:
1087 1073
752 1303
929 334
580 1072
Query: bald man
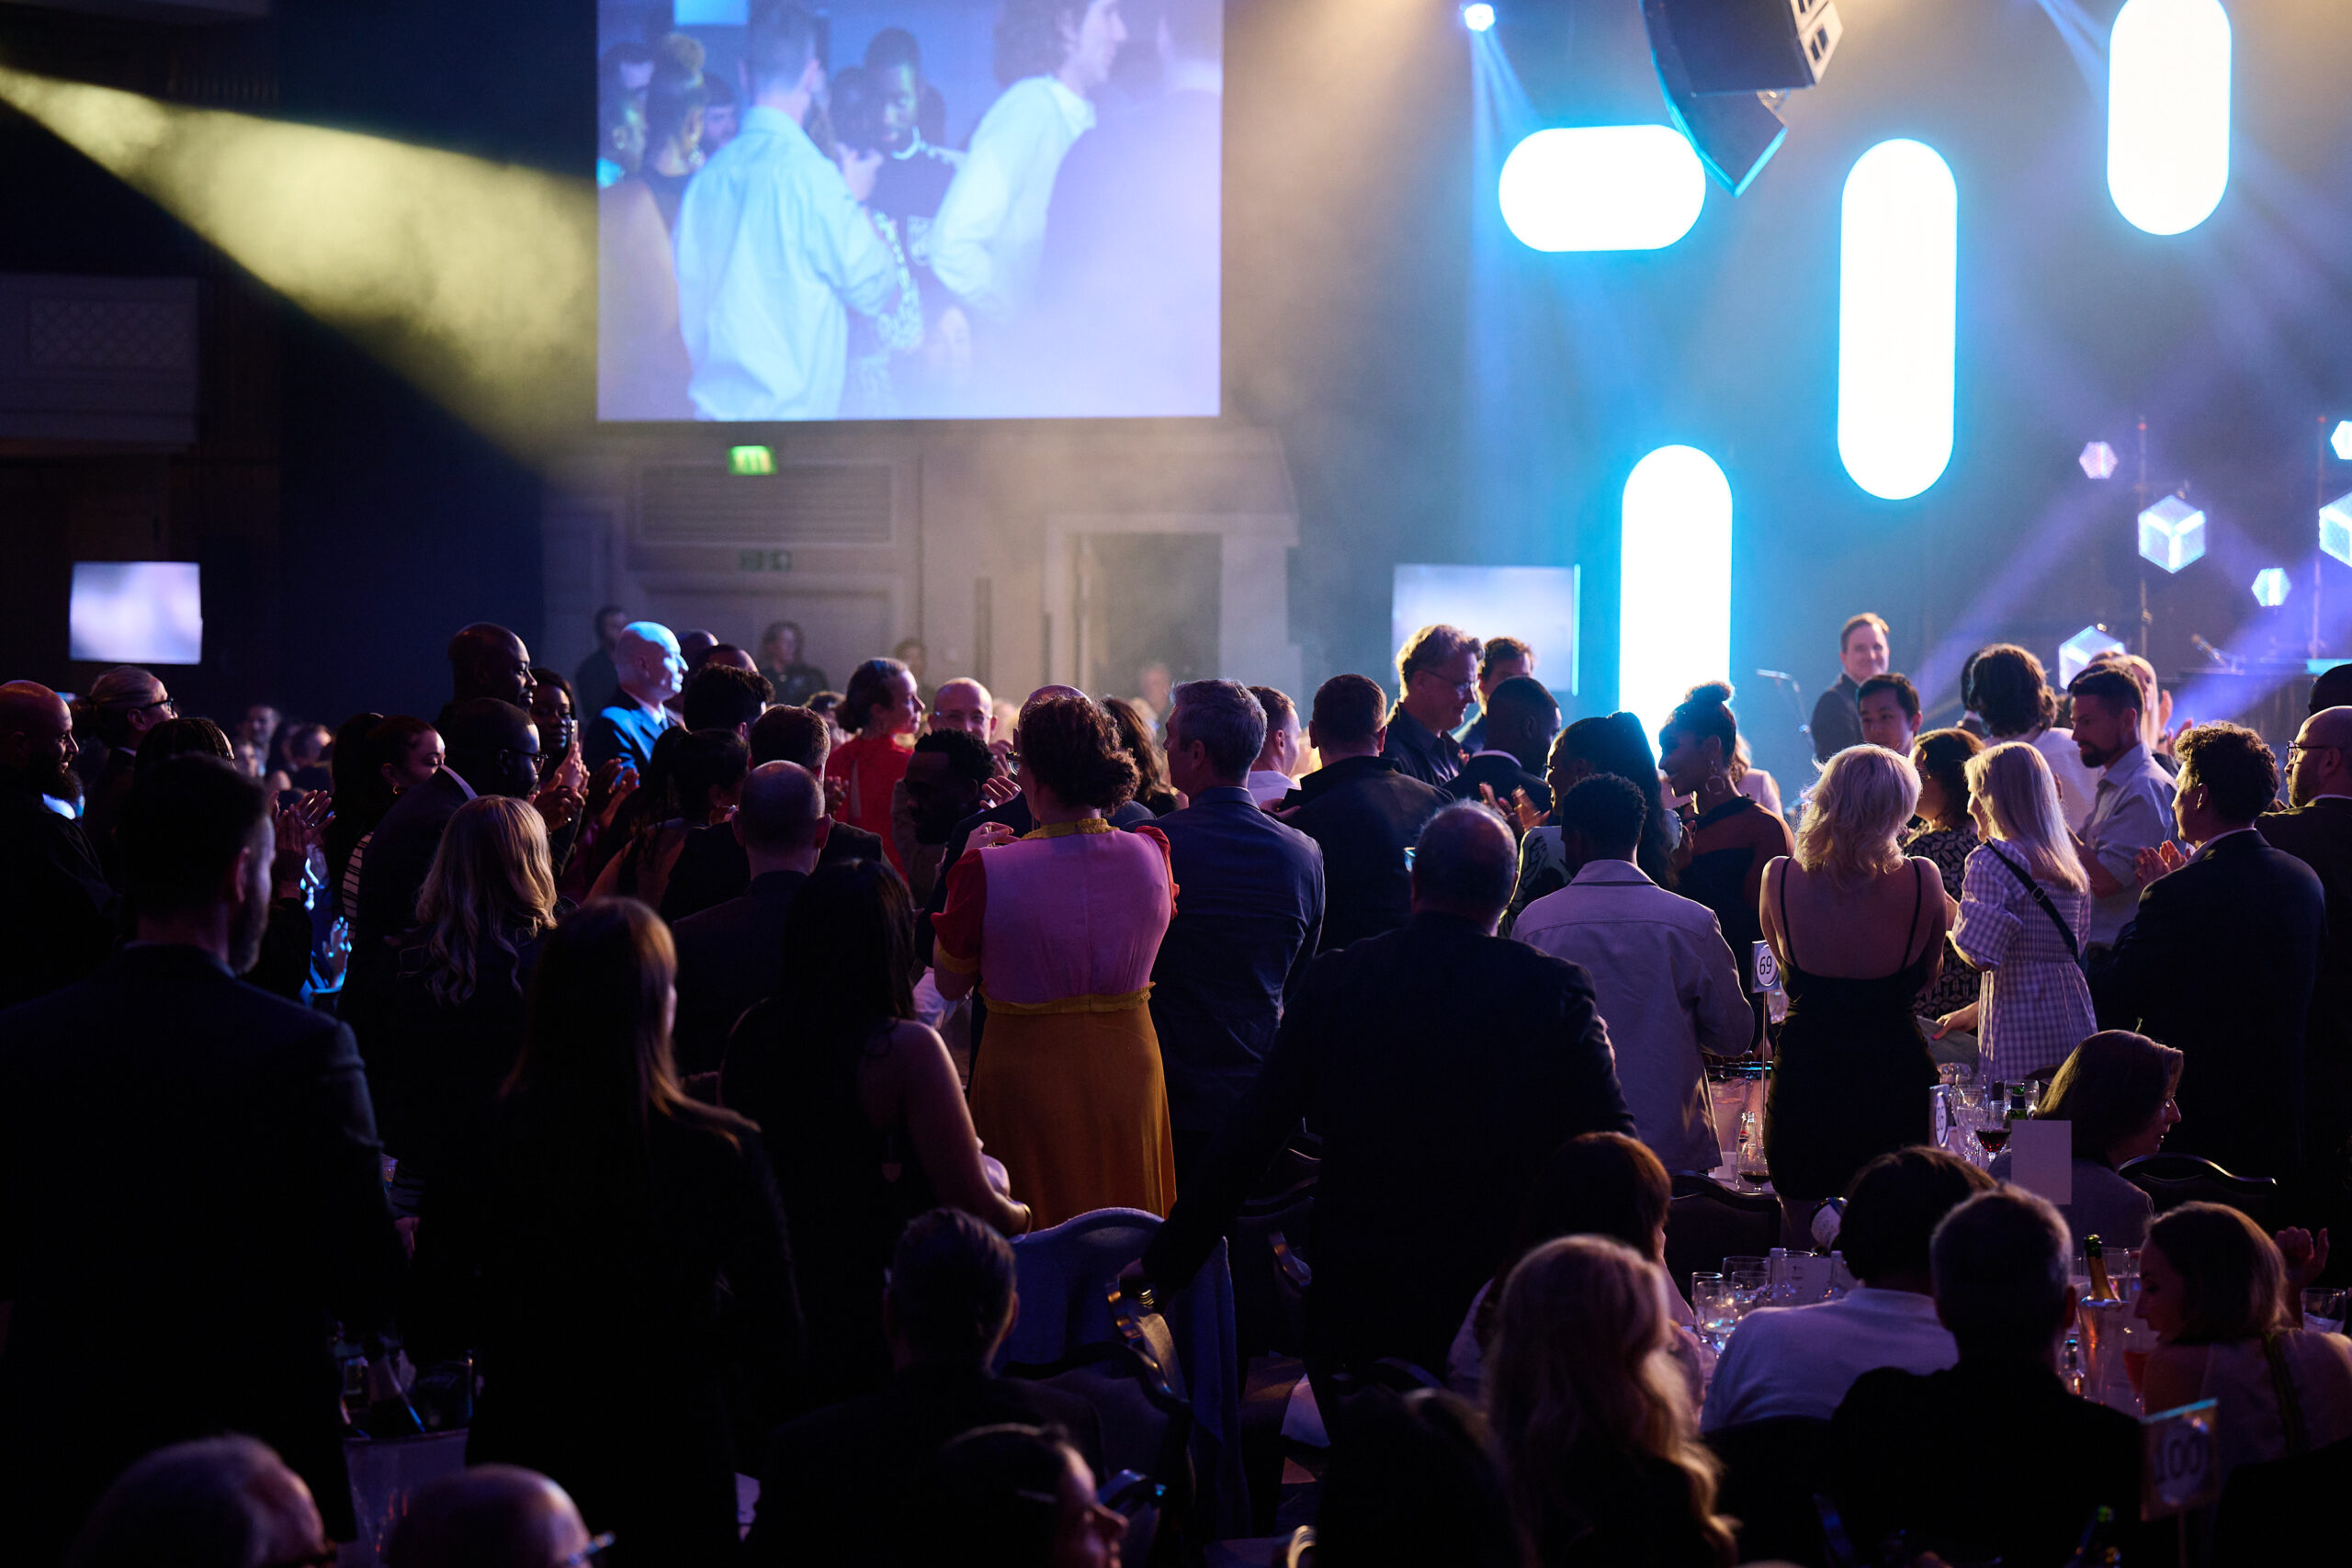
493 1515
1443 1065
2317 830
56 910
653 669
488 660
729 954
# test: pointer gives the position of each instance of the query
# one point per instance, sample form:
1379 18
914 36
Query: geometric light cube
2342 440
2270 587
2097 459
2172 534
2335 528
2076 652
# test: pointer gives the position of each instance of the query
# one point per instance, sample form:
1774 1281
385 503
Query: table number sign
2179 1468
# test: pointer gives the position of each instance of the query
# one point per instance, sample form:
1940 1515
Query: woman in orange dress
882 712
1058 930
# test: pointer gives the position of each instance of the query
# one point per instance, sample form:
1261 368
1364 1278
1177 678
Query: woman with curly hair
1152 762
1593 1420
1058 932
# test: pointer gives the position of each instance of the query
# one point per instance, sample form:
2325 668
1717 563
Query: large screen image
908 209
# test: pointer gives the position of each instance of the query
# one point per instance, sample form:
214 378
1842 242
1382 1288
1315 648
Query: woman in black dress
618 1259
1859 929
1726 837
861 1109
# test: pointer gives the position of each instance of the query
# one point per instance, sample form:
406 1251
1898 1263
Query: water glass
2324 1311
1715 1308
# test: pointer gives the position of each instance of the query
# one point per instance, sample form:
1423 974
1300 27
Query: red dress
871 766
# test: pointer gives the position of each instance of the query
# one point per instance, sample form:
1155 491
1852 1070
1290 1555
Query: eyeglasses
2299 749
163 702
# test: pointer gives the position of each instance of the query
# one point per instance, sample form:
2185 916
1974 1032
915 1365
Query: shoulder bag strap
2073 950
2282 1389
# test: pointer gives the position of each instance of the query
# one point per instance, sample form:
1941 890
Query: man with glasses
2316 828
1437 674
125 704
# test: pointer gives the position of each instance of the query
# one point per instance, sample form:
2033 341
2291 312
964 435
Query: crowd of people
657 1084
780 239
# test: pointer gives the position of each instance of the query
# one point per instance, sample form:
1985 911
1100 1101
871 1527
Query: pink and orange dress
1061 928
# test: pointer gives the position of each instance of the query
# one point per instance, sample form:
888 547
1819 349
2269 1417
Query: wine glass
1714 1307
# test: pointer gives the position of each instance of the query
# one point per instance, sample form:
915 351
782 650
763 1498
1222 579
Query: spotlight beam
475 280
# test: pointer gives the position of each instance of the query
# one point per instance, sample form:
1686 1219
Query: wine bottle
2096 1256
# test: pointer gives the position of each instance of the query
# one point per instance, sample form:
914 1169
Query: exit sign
750 461
763 560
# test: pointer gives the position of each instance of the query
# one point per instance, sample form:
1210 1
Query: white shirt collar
1078 111
1621 873
2132 760
774 120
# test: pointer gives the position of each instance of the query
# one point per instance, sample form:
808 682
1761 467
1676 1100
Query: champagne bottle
2096 1256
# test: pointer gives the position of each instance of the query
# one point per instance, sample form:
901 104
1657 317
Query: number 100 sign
2179 1470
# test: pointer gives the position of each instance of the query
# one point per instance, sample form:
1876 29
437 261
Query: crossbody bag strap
2073 949
2282 1389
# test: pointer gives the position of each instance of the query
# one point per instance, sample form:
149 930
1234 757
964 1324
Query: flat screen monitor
1536 604
909 209
136 612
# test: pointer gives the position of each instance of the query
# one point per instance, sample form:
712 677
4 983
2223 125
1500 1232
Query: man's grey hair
1226 719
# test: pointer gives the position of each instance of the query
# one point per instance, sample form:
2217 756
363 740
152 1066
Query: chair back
2274 1512
1269 1292
1707 1221
2171 1180
1772 1471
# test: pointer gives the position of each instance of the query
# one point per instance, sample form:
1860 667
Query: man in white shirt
1801 1361
774 250
1276 773
990 233
2133 809
1663 976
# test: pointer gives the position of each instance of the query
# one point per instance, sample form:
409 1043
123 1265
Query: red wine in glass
1992 1139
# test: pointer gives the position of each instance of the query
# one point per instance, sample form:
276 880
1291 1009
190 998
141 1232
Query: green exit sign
750 460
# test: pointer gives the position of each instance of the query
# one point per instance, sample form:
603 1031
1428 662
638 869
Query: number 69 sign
2178 1469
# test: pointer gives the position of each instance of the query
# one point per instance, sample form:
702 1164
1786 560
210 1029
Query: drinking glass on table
1715 1308
1751 1281
2324 1310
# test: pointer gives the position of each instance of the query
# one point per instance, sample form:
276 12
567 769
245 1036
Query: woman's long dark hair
595 1072
848 950
1618 745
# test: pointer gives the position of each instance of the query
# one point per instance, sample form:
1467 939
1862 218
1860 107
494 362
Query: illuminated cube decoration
2270 587
2335 528
2342 440
2172 534
2097 459
2076 652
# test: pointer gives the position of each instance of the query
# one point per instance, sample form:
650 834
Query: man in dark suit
1363 813
1443 1065
1437 673
838 1482
2220 960
1248 912
491 748
2317 830
728 956
56 910
711 867
652 669
1522 716
191 1190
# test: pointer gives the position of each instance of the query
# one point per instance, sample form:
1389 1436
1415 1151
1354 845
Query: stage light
2097 459
2168 112
1674 587
1601 187
2335 528
1897 281
1478 19
2271 586
2076 652
750 461
2342 440
476 281
2172 534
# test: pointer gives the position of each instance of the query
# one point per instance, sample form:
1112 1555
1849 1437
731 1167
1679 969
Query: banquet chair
1707 1221
1772 1470
2171 1180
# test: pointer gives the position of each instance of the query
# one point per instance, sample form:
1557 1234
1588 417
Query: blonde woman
1592 1418
2022 917
456 1024
1857 927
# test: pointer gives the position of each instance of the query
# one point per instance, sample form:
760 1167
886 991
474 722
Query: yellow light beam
476 281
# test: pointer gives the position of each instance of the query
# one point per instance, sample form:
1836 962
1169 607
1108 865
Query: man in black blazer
839 1482
2221 962
1442 1065
1363 812
730 954
1519 721
1248 907
711 866
2317 830
56 910
191 1192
